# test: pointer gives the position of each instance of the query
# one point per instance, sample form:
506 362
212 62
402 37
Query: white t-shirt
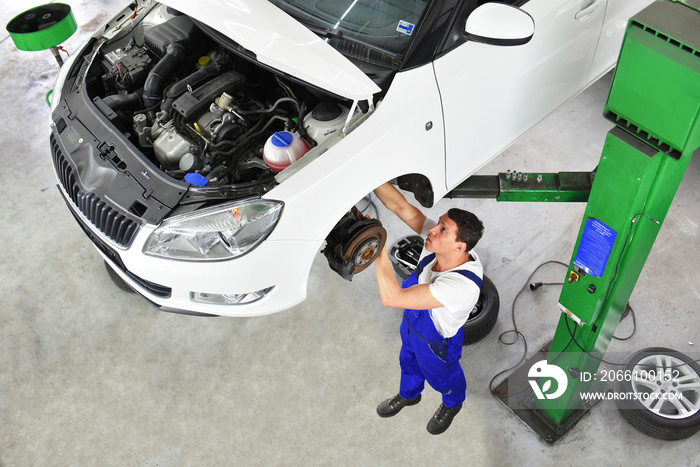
457 293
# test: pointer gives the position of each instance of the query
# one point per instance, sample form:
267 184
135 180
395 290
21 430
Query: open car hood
280 41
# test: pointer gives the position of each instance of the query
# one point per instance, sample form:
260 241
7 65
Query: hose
159 75
279 101
123 101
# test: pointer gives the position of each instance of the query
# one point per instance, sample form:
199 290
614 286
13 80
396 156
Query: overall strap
468 274
423 263
471 276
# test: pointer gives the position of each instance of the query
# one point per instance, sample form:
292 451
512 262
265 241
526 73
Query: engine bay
201 110
161 116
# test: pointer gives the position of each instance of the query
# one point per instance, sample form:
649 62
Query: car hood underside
279 41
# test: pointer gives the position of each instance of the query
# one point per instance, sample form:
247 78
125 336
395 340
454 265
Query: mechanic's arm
397 203
417 297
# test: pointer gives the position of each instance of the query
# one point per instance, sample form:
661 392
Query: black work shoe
442 419
391 407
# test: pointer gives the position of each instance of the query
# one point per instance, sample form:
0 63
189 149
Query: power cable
518 334
368 198
634 324
612 363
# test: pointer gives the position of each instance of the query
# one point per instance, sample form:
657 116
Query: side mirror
500 24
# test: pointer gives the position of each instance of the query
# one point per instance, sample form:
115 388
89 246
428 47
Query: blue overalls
426 355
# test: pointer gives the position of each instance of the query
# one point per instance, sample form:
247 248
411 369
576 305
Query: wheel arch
420 186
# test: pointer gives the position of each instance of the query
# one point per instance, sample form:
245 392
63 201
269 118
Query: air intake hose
158 77
123 101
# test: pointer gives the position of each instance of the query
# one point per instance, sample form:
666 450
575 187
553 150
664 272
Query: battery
129 67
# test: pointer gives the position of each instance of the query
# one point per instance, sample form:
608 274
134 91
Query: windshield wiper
333 33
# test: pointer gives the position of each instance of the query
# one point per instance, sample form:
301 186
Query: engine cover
195 102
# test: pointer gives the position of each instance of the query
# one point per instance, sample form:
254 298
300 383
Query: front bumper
267 267
282 266
169 285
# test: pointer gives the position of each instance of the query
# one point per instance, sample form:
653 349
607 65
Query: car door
493 94
612 32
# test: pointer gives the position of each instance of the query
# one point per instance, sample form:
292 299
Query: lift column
654 102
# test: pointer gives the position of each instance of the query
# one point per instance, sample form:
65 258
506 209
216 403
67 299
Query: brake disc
364 246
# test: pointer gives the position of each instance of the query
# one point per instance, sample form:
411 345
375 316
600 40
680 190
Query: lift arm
562 187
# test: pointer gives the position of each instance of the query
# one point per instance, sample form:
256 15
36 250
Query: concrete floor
91 375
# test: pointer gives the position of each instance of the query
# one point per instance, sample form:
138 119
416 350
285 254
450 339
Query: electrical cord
630 234
518 334
622 254
573 338
634 324
537 285
612 363
368 198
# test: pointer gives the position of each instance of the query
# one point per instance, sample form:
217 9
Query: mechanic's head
469 227
456 231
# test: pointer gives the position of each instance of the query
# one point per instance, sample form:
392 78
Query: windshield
386 26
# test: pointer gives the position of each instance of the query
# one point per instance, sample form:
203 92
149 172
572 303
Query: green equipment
654 101
43 27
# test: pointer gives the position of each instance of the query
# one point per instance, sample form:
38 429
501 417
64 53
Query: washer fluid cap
196 179
282 139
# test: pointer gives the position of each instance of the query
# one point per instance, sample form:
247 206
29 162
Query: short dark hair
469 227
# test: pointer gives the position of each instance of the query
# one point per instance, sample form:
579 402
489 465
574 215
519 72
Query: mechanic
437 299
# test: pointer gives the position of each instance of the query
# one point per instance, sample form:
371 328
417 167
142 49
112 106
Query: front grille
114 225
156 289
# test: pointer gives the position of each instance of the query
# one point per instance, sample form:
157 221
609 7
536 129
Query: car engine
198 109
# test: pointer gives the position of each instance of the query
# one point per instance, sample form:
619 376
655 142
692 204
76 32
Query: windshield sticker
405 27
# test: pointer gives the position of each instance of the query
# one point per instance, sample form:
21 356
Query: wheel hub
665 380
364 246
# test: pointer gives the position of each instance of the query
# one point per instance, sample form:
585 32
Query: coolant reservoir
282 149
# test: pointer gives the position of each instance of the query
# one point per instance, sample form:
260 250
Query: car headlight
216 233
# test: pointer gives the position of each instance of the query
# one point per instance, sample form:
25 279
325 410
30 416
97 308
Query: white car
211 149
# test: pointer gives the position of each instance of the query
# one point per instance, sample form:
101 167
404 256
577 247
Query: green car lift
654 101
43 27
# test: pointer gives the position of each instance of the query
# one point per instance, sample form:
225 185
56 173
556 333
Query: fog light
229 299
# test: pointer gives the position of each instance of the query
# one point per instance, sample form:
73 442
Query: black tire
663 419
118 281
404 254
485 314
